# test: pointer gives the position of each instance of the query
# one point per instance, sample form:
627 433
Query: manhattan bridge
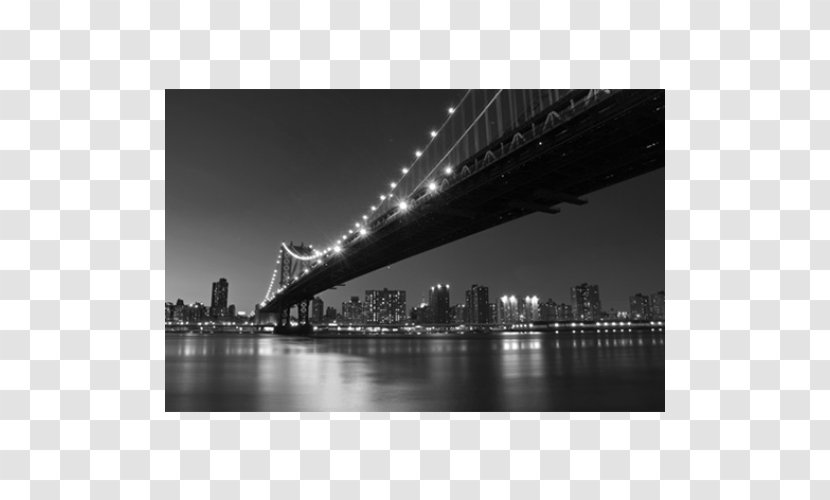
498 156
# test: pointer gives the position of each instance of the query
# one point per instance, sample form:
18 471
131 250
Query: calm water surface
542 372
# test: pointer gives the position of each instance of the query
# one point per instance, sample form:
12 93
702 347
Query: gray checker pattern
82 245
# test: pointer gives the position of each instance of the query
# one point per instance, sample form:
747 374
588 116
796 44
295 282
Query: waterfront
527 371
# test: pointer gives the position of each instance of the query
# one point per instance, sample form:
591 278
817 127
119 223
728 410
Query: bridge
500 155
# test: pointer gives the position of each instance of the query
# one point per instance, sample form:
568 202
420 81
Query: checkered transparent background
82 246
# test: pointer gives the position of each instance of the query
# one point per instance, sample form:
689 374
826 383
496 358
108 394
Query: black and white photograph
414 249
423 250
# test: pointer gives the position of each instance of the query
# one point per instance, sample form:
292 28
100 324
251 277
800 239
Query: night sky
249 169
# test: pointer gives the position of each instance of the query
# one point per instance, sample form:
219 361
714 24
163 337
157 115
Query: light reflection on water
564 372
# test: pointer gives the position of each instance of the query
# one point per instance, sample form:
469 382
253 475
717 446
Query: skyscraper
179 311
639 306
317 310
198 312
564 312
331 314
352 310
219 299
658 305
385 306
439 304
458 314
420 315
586 304
531 309
508 309
493 309
478 307
547 310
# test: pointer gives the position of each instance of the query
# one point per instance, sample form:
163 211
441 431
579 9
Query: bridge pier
302 312
284 317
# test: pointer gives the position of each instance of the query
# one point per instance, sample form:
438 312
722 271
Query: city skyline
475 297
283 187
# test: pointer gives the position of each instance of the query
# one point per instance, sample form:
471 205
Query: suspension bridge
498 156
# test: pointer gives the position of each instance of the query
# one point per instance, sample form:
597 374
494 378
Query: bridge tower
292 268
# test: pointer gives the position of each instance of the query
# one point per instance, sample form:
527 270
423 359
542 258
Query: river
536 371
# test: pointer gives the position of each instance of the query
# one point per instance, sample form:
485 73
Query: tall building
478 304
547 310
352 310
168 311
198 312
420 315
459 314
439 304
639 306
232 311
493 309
385 306
531 309
219 299
508 309
331 314
468 298
317 310
179 311
564 312
658 305
586 304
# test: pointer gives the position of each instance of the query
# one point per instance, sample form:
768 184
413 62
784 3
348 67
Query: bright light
351 231
448 170
432 186
392 185
405 170
296 256
433 133
418 154
382 197
363 231
337 249
374 208
356 224
403 206
450 110
365 217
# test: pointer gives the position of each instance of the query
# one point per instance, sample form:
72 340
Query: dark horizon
249 169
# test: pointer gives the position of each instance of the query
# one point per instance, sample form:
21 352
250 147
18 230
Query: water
612 371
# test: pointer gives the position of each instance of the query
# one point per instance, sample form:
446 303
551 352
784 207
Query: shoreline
425 336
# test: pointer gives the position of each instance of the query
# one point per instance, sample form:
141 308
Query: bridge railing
482 117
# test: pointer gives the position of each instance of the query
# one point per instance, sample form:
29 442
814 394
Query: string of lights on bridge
360 227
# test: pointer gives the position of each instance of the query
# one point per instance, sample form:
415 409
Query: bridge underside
616 138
